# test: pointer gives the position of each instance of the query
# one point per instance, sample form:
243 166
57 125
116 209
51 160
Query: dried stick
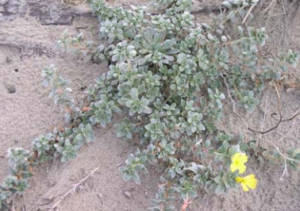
265 113
249 12
269 7
287 133
280 116
294 116
285 158
280 120
233 102
73 189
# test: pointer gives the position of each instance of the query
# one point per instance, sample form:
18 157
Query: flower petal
243 158
240 167
233 167
238 179
245 188
239 157
251 181
247 182
235 157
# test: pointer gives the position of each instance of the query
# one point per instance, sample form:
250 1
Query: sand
27 45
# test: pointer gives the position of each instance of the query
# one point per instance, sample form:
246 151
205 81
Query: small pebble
9 87
127 194
52 183
8 60
72 178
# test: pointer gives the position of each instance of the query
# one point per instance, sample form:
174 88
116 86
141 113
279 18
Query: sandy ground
26 47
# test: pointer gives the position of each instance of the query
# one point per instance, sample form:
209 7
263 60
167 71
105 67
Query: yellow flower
238 162
247 182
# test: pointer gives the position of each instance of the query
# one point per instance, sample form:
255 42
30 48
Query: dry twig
293 117
285 158
233 102
73 189
265 113
280 116
280 120
270 7
249 12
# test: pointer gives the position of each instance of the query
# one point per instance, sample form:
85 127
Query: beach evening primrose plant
165 88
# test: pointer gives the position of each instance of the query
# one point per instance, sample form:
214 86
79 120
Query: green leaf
134 93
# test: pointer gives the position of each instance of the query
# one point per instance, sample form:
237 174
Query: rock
3 2
52 182
127 194
11 9
48 12
9 87
45 200
51 13
72 178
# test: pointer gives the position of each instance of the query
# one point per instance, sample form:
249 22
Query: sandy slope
26 47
